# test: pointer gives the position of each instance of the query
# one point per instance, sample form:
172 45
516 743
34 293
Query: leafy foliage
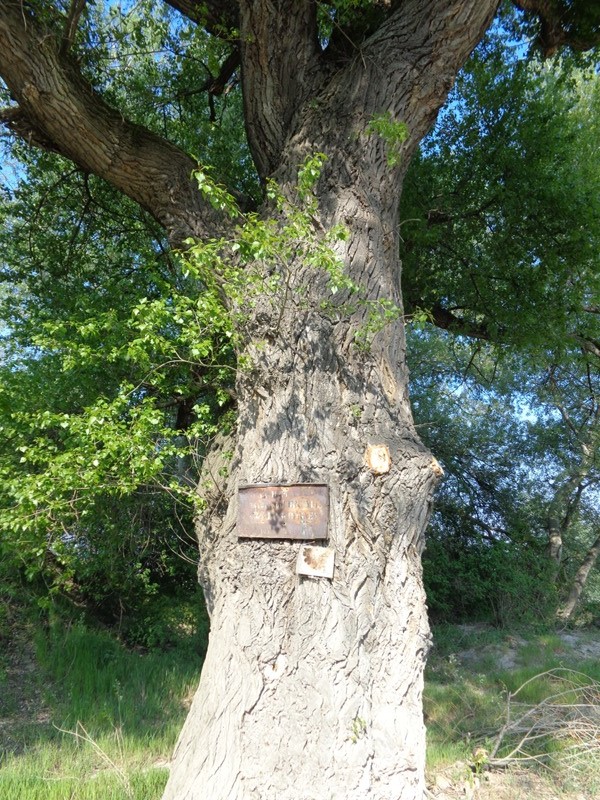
500 247
393 133
499 210
114 371
119 357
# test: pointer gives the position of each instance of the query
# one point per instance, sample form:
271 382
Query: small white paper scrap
316 561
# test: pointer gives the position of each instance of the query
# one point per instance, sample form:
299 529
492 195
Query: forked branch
75 12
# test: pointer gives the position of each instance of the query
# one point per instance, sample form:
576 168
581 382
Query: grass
91 719
102 685
462 708
79 784
465 701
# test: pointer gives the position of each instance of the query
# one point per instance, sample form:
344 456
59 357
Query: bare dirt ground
456 782
578 644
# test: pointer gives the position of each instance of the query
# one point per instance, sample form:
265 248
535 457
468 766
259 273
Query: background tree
95 371
499 248
319 382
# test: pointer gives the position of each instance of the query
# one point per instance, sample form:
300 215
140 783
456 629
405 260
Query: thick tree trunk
312 687
561 509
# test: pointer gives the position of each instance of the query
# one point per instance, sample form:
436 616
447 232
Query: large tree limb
400 73
219 17
430 39
58 110
560 26
281 69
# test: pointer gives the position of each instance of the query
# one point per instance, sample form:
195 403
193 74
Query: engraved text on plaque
297 511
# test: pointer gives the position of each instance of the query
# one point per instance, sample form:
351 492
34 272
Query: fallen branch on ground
563 726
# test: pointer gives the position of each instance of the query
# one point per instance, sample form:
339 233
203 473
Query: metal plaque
297 511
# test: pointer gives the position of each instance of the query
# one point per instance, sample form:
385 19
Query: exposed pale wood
377 458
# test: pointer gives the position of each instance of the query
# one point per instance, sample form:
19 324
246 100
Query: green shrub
501 582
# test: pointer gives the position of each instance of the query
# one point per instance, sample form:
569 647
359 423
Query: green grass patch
97 682
467 689
97 720
449 639
93 719
462 708
93 786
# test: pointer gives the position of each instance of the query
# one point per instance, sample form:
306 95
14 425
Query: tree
515 522
499 244
330 672
571 397
485 555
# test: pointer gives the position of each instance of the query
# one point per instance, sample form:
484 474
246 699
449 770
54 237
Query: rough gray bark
567 499
312 688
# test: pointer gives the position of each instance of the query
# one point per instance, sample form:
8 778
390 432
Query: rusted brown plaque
296 511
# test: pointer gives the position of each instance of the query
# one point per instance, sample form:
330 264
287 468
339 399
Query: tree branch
219 17
59 111
558 25
75 12
588 345
215 85
429 38
446 320
281 67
